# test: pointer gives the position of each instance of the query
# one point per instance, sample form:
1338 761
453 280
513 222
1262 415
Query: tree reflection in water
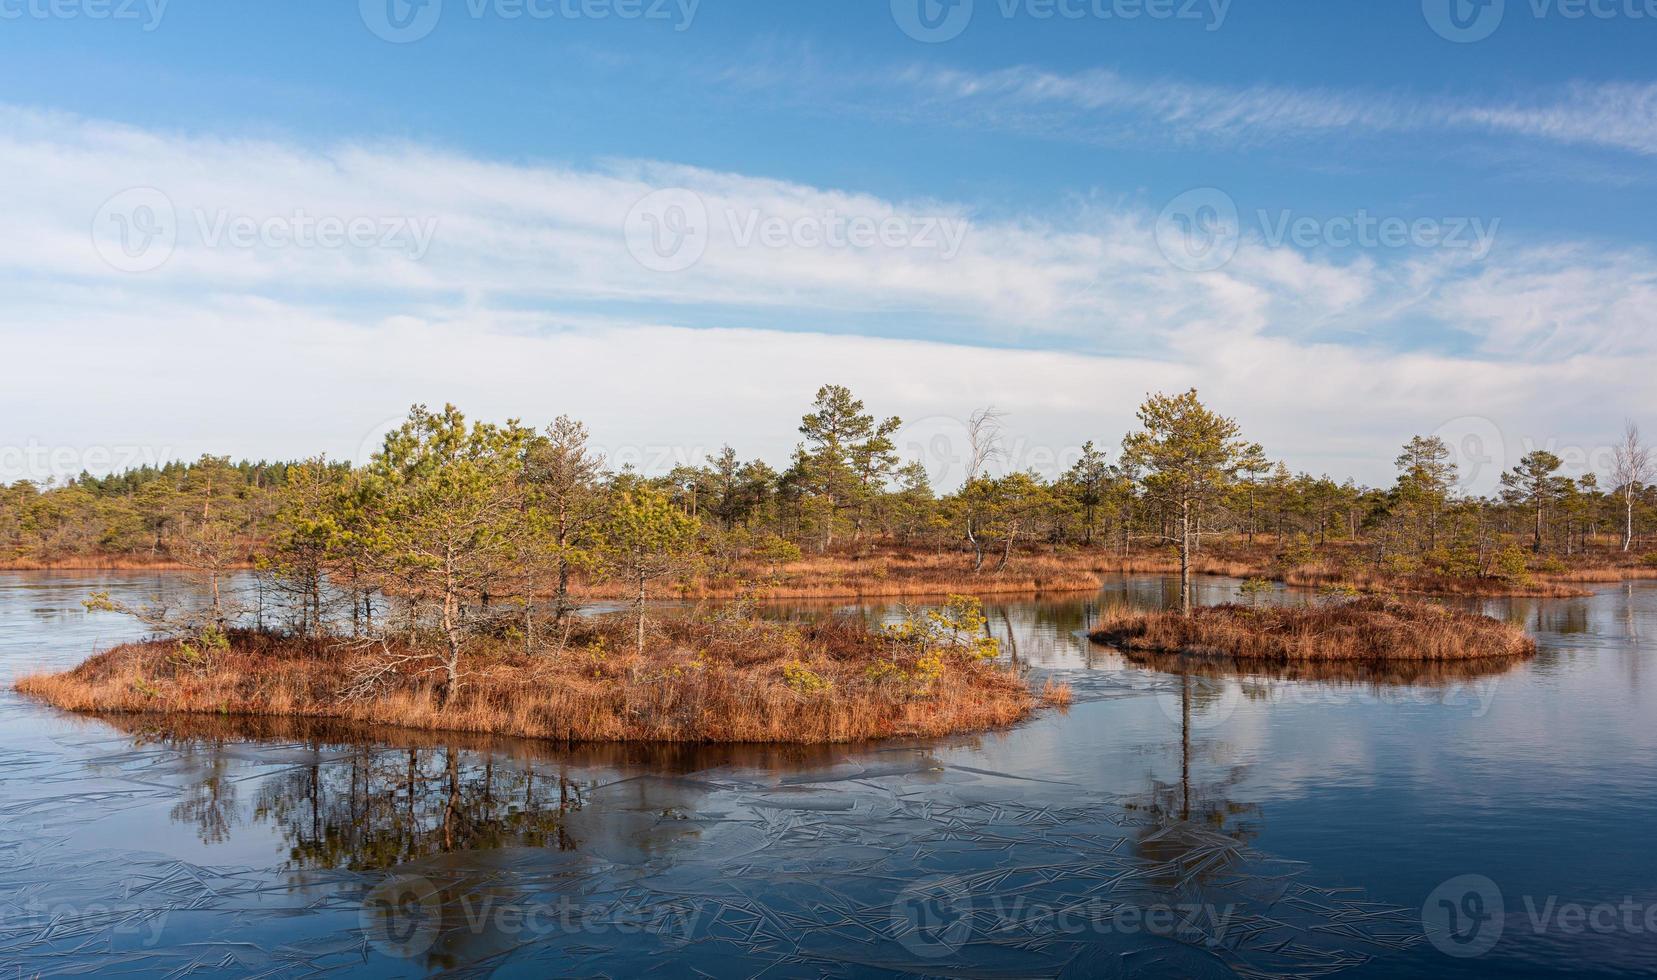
380 809
349 805
346 801
1198 831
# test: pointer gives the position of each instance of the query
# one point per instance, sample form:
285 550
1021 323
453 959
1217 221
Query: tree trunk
562 602
641 614
1007 553
529 613
1628 525
1185 557
977 548
451 631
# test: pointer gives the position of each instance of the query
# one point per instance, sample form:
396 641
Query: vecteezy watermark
1207 702
1463 21
40 463
1466 21
147 13
138 229
404 916
943 446
669 230
1480 450
1464 917
1201 702
1467 916
935 917
112 920
1364 230
1201 230
404 21
936 21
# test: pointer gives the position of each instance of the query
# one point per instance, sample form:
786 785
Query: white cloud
529 303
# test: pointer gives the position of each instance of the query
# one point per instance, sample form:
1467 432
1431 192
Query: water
1188 824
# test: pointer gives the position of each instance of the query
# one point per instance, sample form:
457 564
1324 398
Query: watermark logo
402 916
400 21
136 230
936 21
1481 451
1199 230
667 230
933 918
1467 916
222 228
147 12
1463 21
932 21
1361 229
1467 21
406 21
42 463
116 919
1212 702
1477 450
670 230
941 444
1464 917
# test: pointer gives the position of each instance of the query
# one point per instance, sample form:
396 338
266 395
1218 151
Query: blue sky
1059 146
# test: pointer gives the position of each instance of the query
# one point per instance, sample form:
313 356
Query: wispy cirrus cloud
1617 115
1101 104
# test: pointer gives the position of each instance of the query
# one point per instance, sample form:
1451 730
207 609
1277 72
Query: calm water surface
1493 822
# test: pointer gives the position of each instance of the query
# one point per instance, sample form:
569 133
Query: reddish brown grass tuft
1370 629
1055 694
699 681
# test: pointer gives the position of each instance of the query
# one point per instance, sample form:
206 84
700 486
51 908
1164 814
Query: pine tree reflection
383 808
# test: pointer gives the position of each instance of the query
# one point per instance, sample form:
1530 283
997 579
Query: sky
266 229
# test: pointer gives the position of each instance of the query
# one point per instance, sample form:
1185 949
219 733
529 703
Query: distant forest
846 487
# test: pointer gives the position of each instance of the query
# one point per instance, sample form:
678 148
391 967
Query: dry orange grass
1603 574
1370 629
700 681
890 571
93 563
1319 576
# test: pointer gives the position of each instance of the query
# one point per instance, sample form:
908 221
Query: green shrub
803 680
1510 565
1298 552
1398 563
1252 589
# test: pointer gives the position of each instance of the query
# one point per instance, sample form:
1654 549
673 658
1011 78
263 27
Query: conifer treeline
846 486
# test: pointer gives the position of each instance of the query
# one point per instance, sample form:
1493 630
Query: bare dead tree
983 445
1631 468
